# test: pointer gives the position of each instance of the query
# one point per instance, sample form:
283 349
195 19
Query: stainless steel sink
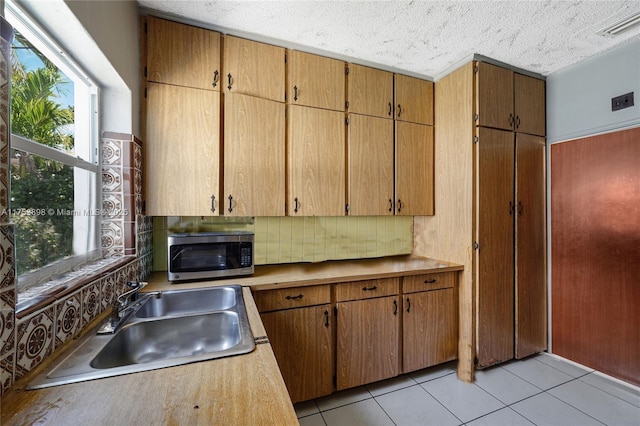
183 302
169 332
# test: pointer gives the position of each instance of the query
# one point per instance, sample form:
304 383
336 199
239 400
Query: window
55 185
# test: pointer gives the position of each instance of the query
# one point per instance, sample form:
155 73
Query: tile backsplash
298 239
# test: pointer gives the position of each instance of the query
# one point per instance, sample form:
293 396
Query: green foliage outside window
39 184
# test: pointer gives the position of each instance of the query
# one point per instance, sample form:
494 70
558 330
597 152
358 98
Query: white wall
579 97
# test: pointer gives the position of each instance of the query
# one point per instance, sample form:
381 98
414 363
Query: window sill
36 297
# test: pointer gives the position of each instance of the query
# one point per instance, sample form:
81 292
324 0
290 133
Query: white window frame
86 226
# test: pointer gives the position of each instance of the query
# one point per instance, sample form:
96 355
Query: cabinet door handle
390 205
294 297
296 205
295 93
395 307
399 110
229 81
390 109
230 204
511 208
214 83
399 205
517 121
408 305
369 288
213 204
431 281
520 208
326 318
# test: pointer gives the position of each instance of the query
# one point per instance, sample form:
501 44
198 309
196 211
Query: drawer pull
431 281
294 297
369 288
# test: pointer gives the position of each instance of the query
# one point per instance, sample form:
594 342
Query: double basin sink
163 329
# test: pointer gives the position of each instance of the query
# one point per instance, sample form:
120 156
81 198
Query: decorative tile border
34 341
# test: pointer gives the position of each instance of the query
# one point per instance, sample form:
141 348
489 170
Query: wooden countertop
269 277
244 390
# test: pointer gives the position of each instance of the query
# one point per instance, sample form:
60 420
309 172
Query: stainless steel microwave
204 255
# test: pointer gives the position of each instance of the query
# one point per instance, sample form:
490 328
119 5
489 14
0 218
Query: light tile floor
541 390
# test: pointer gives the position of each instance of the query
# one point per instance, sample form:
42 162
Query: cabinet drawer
367 289
415 283
296 297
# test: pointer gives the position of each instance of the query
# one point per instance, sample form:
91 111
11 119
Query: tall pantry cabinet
509 238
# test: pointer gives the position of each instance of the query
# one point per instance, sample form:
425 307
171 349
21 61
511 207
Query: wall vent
621 26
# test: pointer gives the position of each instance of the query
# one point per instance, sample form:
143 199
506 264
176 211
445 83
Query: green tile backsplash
299 239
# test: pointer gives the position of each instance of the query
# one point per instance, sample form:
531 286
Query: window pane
41 193
42 98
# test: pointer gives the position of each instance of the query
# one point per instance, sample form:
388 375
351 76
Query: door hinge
475 117
346 105
476 246
346 121
346 69
346 208
475 139
475 69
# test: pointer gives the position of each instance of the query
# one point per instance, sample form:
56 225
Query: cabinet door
182 55
315 81
414 99
370 91
254 157
430 328
253 68
494 88
182 154
531 294
529 105
316 152
303 345
414 169
367 341
495 221
370 166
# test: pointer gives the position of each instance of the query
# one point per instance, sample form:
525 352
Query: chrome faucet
123 307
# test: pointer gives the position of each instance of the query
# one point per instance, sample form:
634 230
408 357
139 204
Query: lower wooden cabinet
367 341
302 341
337 336
429 329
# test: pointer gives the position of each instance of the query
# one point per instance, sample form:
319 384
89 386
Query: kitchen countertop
269 277
245 389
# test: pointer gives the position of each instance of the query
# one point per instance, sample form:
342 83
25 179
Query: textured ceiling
422 37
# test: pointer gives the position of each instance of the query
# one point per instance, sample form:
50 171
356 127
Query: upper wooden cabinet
182 151
254 157
414 169
315 81
316 162
509 101
370 91
370 169
253 68
530 105
182 55
413 99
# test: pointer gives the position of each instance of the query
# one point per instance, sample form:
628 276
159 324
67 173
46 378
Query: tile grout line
444 406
